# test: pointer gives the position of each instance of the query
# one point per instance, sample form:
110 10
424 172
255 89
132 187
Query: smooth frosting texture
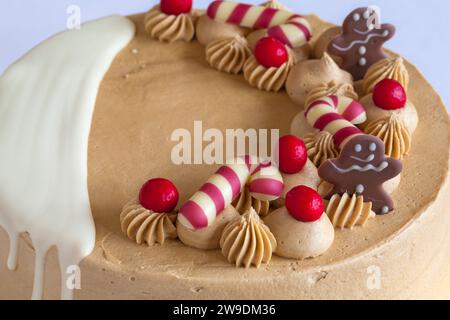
348 211
208 30
389 68
169 28
267 79
145 226
394 134
228 55
307 75
247 241
46 104
300 240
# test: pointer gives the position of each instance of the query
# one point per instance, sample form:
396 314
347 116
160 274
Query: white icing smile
370 158
366 168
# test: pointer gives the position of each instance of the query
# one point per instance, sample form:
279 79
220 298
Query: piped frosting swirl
247 241
395 135
332 88
245 201
169 28
321 147
389 68
348 211
144 226
268 79
228 55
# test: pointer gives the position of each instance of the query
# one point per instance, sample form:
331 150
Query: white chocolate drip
46 103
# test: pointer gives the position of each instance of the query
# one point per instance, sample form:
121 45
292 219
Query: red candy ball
389 95
270 52
292 154
176 7
304 204
159 195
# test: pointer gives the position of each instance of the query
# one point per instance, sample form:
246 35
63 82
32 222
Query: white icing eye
358 148
373 147
356 17
366 15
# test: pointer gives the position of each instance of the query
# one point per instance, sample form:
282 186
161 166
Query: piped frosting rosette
169 27
228 55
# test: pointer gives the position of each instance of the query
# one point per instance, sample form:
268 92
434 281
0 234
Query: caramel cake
88 116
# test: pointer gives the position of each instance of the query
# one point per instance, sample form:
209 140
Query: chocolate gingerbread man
362 168
361 43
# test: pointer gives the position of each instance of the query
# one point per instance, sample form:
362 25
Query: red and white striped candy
225 185
337 115
291 29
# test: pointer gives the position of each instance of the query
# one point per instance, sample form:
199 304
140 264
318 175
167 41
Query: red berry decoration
389 95
176 7
304 204
292 154
270 52
159 195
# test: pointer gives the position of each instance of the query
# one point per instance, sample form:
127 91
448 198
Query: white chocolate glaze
46 103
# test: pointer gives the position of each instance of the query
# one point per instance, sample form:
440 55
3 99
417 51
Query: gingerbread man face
361 43
362 168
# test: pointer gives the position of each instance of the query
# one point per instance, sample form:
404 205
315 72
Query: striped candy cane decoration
265 183
292 29
338 115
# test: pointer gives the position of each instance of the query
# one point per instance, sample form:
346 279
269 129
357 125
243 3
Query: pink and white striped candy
291 29
337 115
225 185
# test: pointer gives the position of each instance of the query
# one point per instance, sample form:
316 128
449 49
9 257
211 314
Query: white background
422 26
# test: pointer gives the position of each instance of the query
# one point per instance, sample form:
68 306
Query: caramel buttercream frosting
268 79
307 75
247 241
348 211
245 202
321 147
145 226
331 88
228 55
169 28
394 134
389 68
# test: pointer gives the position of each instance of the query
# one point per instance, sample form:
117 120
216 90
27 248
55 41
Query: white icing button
373 146
385 33
362 61
371 26
356 17
366 15
385 210
359 189
362 50
358 148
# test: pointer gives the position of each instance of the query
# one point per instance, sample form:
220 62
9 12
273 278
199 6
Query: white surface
46 105
422 26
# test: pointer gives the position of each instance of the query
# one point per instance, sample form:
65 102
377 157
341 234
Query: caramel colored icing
275 4
307 75
268 79
348 211
389 68
331 88
320 147
394 134
228 55
169 28
246 201
247 241
145 226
